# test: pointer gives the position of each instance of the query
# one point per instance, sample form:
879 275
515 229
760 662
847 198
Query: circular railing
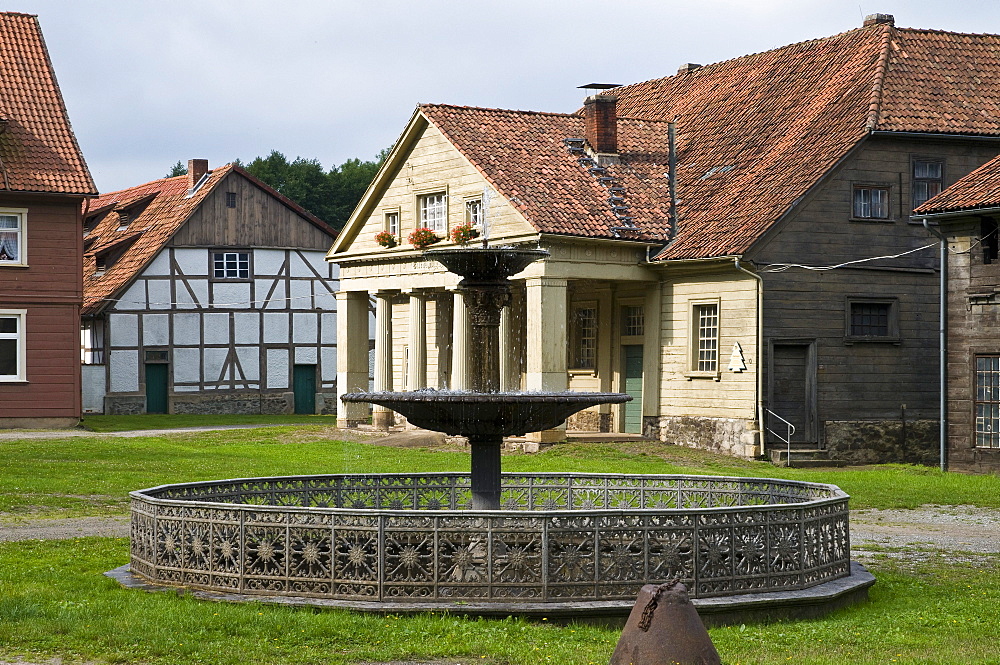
559 538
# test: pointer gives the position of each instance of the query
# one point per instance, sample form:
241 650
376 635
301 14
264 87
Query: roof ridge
496 110
938 31
881 68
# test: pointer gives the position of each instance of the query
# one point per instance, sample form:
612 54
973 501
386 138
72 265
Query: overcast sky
149 83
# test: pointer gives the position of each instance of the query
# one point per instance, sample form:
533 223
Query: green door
633 386
304 386
156 387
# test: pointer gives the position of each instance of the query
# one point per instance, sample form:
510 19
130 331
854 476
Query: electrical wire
243 303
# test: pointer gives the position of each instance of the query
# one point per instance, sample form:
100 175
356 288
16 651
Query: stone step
802 457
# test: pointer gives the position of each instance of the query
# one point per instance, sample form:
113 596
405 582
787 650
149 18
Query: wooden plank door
304 387
157 387
791 392
632 380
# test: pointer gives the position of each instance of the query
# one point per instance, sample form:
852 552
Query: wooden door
791 391
632 380
304 387
157 387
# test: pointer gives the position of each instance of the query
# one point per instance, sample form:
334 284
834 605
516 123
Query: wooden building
207 293
787 285
964 217
43 180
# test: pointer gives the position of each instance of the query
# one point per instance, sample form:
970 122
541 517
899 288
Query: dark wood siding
258 220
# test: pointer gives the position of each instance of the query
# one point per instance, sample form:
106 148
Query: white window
474 213
92 342
392 222
434 212
12 345
871 202
12 237
987 402
231 265
584 337
705 352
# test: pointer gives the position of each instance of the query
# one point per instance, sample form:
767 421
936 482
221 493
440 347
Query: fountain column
509 374
352 355
459 342
382 417
416 371
546 351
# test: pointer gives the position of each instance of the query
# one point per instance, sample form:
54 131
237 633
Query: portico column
416 374
459 342
352 355
546 343
382 418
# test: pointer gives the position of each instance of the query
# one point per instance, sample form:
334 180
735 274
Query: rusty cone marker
664 629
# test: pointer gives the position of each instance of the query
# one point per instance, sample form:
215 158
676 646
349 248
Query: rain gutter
757 349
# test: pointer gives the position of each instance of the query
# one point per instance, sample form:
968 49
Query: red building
43 181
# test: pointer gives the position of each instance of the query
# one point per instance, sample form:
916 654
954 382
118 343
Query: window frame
22 238
871 186
231 199
892 334
471 216
977 429
228 250
695 339
577 340
914 161
387 222
422 208
20 338
92 348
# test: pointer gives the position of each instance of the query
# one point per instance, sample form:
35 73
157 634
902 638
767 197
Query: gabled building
206 293
43 181
965 217
775 285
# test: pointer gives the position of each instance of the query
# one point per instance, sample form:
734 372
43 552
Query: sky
149 83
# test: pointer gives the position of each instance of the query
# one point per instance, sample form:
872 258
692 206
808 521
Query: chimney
600 114
879 19
196 169
688 67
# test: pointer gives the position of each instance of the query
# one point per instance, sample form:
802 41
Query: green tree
176 170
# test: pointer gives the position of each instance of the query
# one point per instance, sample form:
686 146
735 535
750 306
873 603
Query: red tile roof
167 209
37 145
754 134
977 190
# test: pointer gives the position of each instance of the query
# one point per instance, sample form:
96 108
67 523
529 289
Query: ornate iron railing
411 537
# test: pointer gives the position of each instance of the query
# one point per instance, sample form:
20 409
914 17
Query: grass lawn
935 608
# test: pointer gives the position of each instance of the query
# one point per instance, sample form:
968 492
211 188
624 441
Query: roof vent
688 67
879 19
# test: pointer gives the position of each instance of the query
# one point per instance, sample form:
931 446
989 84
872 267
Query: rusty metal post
664 629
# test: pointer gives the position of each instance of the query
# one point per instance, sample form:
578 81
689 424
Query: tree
176 170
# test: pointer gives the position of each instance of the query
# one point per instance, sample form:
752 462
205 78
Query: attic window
230 199
927 179
124 219
871 202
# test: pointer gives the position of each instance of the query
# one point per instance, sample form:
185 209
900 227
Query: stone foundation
974 460
589 421
883 441
730 436
273 403
38 423
124 405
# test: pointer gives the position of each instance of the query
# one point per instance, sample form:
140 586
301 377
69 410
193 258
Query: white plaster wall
134 297
329 329
328 369
301 296
325 299
317 260
268 261
159 266
124 329
187 365
276 328
231 296
305 355
250 361
159 293
187 328
299 267
124 369
277 368
183 299
216 328
93 382
247 326
192 261
277 299
214 359
155 329
304 328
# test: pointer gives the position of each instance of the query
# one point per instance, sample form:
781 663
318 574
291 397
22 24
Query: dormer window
124 219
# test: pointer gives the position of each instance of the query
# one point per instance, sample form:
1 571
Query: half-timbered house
43 180
774 287
965 219
207 293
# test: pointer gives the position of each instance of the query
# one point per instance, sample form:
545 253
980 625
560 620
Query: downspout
757 350
942 345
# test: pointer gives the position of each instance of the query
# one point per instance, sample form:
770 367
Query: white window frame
695 339
225 276
19 336
391 224
433 211
474 211
985 402
22 236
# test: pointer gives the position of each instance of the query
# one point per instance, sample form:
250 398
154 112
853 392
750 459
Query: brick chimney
688 67
879 19
196 169
600 114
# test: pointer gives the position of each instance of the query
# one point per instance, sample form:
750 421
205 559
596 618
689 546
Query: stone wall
589 421
882 441
124 405
731 436
208 403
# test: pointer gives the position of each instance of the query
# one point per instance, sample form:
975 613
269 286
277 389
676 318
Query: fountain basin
487 265
486 414
570 540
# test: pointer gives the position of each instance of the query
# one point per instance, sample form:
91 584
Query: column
546 343
510 371
459 343
352 355
382 418
416 371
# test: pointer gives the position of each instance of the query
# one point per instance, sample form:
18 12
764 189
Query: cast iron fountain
484 414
